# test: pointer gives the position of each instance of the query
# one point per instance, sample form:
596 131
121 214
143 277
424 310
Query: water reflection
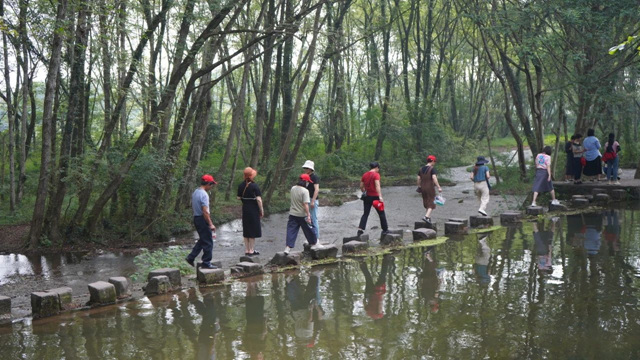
550 289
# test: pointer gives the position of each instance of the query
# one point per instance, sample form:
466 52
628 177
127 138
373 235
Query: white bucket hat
308 165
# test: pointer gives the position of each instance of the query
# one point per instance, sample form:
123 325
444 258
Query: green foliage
172 257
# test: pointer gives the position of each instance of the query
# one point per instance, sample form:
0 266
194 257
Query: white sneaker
317 246
287 250
533 204
482 212
555 202
306 243
617 183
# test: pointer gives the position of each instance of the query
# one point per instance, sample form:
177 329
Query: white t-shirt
299 196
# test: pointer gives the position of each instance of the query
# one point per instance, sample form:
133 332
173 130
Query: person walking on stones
427 184
480 178
299 216
542 181
371 192
610 157
313 188
203 223
578 153
592 146
252 210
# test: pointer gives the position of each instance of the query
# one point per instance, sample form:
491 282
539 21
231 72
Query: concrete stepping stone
619 194
589 197
102 293
454 228
580 202
354 247
173 274
282 259
252 259
558 207
390 239
579 196
396 231
510 217
464 221
5 307
246 269
329 251
65 296
361 238
158 285
424 234
595 191
44 304
480 221
210 276
535 210
121 284
425 225
601 198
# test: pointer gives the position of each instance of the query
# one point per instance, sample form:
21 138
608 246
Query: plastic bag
439 200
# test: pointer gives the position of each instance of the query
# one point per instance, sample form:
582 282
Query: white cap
308 165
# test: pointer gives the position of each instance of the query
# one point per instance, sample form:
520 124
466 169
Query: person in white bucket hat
314 188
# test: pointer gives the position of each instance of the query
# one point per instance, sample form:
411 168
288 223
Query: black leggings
368 202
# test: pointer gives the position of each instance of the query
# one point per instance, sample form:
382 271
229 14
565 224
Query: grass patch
172 257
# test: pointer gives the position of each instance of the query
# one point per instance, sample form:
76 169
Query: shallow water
565 289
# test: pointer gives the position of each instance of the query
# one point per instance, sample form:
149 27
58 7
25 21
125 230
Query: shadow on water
556 288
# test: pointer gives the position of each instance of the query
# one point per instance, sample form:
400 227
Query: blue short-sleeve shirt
199 198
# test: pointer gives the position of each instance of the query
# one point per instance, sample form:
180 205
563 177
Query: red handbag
609 155
583 161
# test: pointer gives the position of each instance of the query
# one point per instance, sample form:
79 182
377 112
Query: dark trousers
293 225
577 168
205 242
368 203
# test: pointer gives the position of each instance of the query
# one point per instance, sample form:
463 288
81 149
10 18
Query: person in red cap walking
203 223
370 186
299 216
427 183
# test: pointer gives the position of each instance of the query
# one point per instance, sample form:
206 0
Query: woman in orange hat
252 210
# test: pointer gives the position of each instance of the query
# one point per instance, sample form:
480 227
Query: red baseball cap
431 158
208 179
306 177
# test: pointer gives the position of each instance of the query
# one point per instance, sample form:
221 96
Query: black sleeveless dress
250 210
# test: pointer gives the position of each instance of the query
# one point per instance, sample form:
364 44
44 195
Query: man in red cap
203 223
299 216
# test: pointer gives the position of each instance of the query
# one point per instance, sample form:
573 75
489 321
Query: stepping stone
510 217
5 305
580 202
479 221
577 197
361 238
398 232
558 207
619 194
354 247
589 197
424 234
424 225
246 268
464 221
601 198
535 210
173 274
328 252
454 228
595 191
64 296
251 259
44 304
282 259
121 284
102 293
210 276
158 285
391 239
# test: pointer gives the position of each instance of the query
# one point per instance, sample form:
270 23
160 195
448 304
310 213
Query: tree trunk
10 118
382 132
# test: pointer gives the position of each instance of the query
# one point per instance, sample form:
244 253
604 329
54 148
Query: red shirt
369 179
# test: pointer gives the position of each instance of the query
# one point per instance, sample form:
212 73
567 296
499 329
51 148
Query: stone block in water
601 198
579 202
354 246
5 305
361 238
619 194
535 210
510 217
454 228
159 284
248 268
282 259
102 293
398 232
251 259
424 225
327 252
558 207
173 274
121 284
424 234
44 304
579 196
391 239
65 296
210 276
464 221
595 191
589 197
480 221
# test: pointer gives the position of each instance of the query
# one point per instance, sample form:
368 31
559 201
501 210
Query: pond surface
551 289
